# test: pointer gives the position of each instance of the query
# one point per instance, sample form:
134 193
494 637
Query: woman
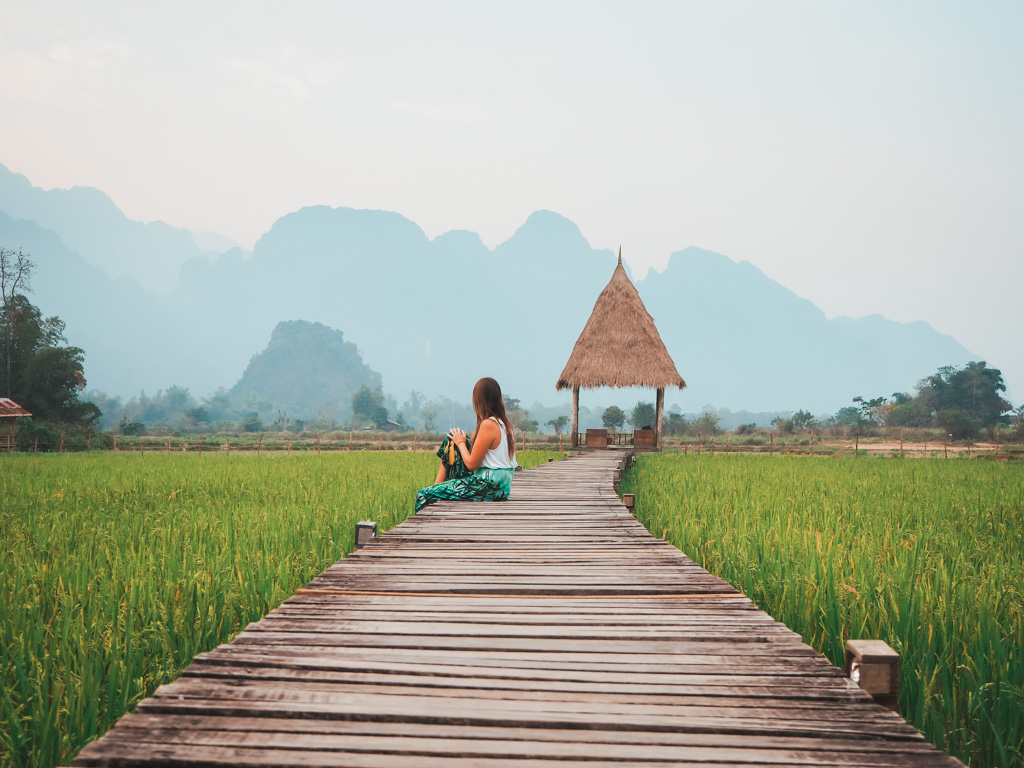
492 459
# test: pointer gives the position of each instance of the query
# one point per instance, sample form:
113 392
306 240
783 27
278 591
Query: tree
380 417
974 389
613 417
558 423
41 372
197 415
872 411
367 404
643 415
849 419
15 278
706 424
803 420
519 416
251 423
675 424
429 415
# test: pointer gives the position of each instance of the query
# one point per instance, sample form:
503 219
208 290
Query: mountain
305 366
433 315
88 223
735 335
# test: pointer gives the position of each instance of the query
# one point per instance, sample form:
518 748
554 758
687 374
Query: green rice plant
924 554
117 569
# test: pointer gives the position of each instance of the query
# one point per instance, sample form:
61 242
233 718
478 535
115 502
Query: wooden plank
548 630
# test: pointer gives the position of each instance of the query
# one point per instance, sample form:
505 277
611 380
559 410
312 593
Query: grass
116 569
925 555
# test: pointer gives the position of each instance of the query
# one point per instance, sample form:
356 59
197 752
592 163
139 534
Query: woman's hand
458 436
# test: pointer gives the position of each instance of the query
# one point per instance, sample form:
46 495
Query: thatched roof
619 346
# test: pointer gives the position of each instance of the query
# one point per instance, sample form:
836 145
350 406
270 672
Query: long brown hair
487 402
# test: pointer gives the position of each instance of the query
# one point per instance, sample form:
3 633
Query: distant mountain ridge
434 315
91 225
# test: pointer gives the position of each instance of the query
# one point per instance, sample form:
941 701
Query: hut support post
574 441
659 412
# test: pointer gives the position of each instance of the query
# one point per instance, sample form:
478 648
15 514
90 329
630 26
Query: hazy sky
868 155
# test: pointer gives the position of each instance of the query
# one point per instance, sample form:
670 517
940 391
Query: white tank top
498 458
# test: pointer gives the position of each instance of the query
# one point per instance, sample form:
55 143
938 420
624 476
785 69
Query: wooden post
524 440
380 442
365 530
559 442
349 442
318 441
35 448
200 445
289 447
62 442
115 443
88 443
901 443
227 444
168 443
574 438
658 413
875 667
771 445
259 445
856 447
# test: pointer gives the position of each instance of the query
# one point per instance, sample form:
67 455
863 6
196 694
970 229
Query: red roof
11 408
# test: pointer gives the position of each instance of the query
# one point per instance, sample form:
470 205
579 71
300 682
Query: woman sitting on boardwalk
483 473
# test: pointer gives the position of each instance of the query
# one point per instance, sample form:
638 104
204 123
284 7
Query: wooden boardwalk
550 630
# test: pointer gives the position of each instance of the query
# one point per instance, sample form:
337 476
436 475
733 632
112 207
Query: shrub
33 434
960 424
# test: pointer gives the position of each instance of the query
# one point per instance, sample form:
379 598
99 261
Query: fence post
200 445
856 447
771 446
259 445
35 448
318 442
62 442
901 443
115 443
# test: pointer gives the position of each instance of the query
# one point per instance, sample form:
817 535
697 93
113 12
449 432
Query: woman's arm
488 437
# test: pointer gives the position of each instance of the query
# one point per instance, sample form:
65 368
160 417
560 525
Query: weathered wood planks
548 631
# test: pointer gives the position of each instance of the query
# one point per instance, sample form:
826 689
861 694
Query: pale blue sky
867 155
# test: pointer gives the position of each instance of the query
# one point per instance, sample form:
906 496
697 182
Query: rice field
925 554
116 569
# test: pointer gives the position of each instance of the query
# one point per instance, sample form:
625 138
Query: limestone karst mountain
434 315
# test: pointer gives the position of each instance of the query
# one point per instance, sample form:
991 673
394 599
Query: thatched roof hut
619 347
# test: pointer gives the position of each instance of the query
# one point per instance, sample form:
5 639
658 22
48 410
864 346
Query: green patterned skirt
482 484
